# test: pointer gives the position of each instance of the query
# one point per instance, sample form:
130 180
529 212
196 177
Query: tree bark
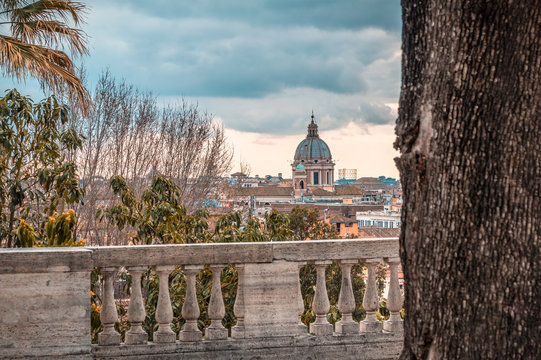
469 133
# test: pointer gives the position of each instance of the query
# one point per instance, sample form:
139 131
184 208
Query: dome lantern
312 128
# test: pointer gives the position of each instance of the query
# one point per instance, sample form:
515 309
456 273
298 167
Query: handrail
25 260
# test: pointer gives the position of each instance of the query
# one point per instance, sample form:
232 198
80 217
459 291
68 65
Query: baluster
346 301
216 306
300 303
108 315
394 299
321 305
370 300
136 310
237 331
190 309
164 312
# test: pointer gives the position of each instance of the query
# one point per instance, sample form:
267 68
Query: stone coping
54 259
359 346
63 259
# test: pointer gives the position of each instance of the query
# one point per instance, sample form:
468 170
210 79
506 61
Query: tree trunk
469 133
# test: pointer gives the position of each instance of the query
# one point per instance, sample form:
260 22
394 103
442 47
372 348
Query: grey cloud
204 57
324 14
289 112
378 114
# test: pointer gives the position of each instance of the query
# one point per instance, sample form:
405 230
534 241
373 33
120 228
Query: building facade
348 174
379 219
313 166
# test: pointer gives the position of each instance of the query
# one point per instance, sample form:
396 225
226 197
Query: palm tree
39 32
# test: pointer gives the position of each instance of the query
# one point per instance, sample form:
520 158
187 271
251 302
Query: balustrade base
190 335
321 329
165 337
136 339
109 339
393 326
238 332
370 326
215 333
382 346
303 329
350 327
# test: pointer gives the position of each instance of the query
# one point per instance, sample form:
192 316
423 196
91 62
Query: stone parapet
45 305
303 347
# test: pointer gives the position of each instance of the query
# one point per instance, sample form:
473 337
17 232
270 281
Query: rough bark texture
469 133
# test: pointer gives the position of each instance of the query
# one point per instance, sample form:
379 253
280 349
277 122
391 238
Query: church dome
312 147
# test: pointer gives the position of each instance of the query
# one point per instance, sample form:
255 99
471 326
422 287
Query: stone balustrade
44 302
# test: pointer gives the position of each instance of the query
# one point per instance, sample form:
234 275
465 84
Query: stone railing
44 302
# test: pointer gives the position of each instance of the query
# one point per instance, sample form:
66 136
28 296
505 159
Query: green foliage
59 229
35 176
95 305
158 216
383 313
58 232
306 224
24 234
253 231
228 228
278 226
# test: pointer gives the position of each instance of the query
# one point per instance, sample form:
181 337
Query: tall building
312 166
348 174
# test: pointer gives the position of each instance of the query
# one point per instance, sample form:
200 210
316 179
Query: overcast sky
261 67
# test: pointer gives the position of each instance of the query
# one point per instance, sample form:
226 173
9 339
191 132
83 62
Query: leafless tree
193 150
128 134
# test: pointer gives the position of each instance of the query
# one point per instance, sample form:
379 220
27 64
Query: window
316 178
328 178
301 184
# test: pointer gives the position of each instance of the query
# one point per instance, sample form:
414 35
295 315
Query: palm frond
9 5
46 10
40 31
53 68
51 33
